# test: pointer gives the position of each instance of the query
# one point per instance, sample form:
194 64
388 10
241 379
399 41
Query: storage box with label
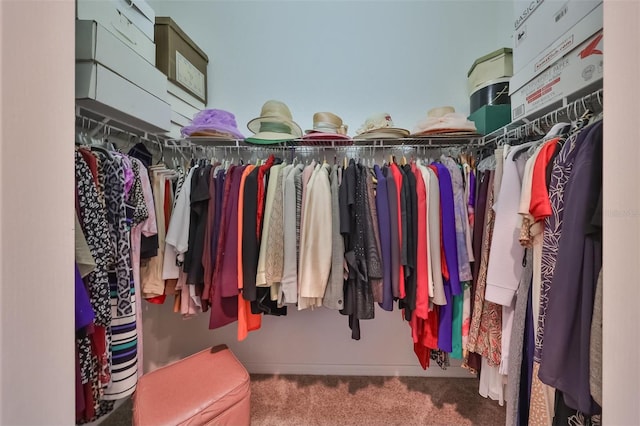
544 25
579 69
131 21
576 35
180 58
491 117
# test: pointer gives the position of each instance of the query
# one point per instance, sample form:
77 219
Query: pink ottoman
207 388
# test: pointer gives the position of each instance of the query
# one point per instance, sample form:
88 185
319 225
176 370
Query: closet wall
36 213
353 58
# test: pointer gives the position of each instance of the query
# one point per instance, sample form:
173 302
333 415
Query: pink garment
190 304
148 228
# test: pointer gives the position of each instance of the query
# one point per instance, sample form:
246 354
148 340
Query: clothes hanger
103 146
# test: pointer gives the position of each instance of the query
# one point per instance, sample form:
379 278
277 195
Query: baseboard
358 370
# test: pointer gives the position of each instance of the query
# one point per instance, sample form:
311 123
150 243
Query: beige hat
380 126
444 120
275 123
328 122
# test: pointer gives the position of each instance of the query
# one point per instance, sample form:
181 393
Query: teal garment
456 332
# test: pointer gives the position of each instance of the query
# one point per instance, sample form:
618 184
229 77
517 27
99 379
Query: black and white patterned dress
123 325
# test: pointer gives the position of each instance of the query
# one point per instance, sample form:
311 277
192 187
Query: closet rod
572 112
105 126
298 145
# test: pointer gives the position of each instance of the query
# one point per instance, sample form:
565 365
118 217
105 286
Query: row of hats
275 124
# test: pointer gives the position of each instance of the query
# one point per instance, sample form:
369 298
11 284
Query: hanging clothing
485 334
334 294
289 285
565 352
315 252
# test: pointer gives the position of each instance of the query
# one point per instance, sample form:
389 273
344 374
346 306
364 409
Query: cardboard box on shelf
95 43
493 66
131 21
545 25
101 90
578 69
491 117
180 58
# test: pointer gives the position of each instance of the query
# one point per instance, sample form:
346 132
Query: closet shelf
569 108
434 140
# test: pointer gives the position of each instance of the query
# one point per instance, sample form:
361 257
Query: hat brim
270 138
211 131
446 134
314 134
254 125
385 133
441 129
205 134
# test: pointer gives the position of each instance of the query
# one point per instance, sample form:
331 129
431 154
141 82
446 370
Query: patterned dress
485 333
123 326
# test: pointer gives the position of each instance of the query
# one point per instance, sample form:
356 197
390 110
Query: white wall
36 217
353 58
621 316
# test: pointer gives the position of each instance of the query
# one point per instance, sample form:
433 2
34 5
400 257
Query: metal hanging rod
573 111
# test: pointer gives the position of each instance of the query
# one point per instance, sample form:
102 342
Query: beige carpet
356 400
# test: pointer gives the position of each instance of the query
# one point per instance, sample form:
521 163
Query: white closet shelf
569 108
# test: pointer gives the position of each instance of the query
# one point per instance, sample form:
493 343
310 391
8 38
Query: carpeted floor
356 400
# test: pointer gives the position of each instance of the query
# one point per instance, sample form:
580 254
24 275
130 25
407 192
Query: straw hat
274 125
444 120
380 126
327 125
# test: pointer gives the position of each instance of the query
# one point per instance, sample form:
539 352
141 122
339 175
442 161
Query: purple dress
565 353
84 311
384 228
452 285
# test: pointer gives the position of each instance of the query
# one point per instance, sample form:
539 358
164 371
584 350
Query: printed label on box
556 51
574 71
528 10
189 76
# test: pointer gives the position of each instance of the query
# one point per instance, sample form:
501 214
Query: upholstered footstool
207 388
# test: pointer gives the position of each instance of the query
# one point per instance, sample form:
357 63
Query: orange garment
425 336
397 180
540 206
422 268
247 321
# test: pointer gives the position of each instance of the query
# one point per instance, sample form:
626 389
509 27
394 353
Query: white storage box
95 43
182 94
105 92
181 107
583 30
174 131
178 121
115 16
578 69
550 20
492 66
522 10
